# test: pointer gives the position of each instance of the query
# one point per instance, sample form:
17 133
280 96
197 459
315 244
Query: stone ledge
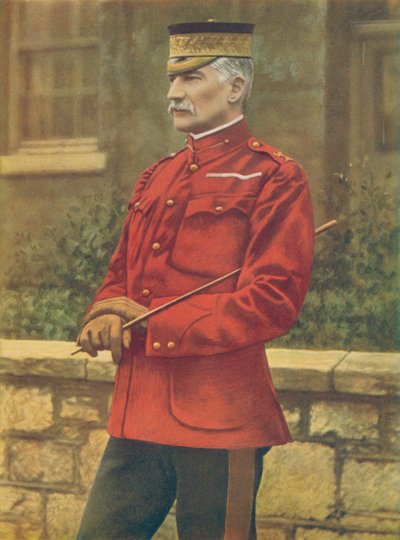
44 358
368 374
359 373
296 369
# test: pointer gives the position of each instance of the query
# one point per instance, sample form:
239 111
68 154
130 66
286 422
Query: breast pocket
213 234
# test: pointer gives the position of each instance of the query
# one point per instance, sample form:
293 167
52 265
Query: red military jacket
200 377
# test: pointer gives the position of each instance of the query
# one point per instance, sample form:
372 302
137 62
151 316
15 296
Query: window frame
42 155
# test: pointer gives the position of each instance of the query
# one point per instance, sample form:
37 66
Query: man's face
199 100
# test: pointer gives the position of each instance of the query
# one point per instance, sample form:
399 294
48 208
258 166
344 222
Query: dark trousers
138 482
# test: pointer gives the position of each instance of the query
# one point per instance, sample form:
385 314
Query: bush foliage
351 303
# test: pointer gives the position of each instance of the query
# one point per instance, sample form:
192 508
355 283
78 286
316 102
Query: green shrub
52 281
351 303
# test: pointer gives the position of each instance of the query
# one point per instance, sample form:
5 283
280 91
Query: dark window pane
61 22
88 24
36 117
64 69
64 110
89 116
90 61
34 20
390 86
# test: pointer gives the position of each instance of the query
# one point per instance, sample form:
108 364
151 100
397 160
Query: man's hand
105 333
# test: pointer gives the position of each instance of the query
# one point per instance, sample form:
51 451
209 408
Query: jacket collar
217 142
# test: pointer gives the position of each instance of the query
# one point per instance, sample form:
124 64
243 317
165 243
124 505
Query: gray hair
228 67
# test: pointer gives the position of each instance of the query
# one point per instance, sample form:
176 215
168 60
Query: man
194 408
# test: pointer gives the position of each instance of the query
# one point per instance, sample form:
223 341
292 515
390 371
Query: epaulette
173 154
258 146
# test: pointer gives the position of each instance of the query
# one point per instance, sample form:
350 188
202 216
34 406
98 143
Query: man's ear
236 89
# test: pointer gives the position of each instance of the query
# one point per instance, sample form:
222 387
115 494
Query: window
53 76
387 81
375 78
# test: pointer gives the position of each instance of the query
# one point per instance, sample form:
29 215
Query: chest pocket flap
213 234
219 204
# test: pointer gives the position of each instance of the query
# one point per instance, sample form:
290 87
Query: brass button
156 246
172 154
193 167
171 345
136 205
170 202
256 144
219 208
156 345
146 292
227 141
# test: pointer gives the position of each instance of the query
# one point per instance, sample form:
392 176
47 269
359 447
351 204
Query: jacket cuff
166 330
124 307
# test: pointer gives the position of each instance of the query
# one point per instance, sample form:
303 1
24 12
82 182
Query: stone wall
339 480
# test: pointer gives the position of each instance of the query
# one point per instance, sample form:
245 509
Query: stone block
101 368
90 455
2 458
368 374
8 531
80 408
63 515
46 358
320 534
76 433
298 482
344 419
271 533
25 409
371 486
23 508
302 370
293 418
167 531
391 425
41 461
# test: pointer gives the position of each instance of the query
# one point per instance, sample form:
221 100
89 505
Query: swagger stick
143 317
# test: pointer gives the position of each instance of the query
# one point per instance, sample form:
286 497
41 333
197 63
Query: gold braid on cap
212 44
193 45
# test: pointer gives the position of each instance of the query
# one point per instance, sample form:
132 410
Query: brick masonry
339 480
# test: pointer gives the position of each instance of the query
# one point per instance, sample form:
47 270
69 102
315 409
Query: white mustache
180 106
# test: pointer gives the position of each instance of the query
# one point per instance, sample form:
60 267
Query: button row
170 345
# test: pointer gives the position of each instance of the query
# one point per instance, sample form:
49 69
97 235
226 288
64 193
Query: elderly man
194 409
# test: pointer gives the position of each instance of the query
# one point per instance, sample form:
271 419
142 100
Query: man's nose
176 90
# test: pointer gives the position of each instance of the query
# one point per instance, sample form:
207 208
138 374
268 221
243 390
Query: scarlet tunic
200 376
